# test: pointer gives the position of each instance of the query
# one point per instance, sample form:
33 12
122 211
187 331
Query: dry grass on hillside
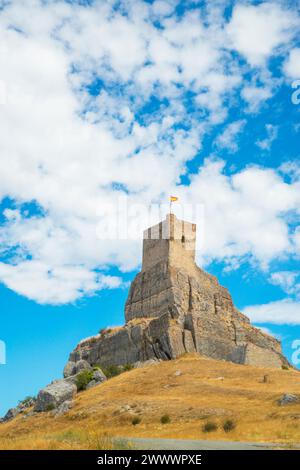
205 391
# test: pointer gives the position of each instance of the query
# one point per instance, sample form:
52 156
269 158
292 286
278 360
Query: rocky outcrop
287 399
52 396
20 408
174 307
73 368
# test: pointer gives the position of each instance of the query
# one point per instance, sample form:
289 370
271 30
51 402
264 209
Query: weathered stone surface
63 408
11 413
54 395
92 384
82 365
99 376
287 399
20 408
174 307
70 369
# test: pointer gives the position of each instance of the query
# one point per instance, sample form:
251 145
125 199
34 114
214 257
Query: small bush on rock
28 401
83 379
50 407
112 371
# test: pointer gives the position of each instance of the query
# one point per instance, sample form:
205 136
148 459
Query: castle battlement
172 240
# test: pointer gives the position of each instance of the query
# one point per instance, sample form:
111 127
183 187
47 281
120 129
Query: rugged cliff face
174 307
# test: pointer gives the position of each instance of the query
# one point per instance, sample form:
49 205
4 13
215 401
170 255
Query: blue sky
105 100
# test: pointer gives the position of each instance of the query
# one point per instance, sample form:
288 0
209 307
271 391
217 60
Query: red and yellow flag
173 198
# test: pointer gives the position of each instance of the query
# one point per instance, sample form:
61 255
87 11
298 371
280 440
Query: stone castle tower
174 307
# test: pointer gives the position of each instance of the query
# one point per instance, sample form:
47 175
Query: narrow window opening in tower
183 239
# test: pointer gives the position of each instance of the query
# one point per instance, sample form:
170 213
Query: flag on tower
173 198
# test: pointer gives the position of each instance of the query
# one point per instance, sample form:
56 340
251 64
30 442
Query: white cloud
256 31
289 281
292 64
281 312
73 153
255 96
272 133
229 138
162 8
243 212
56 285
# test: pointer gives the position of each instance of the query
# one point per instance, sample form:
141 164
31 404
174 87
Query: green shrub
128 367
165 419
284 367
84 377
105 331
27 400
209 426
112 371
136 420
229 425
50 407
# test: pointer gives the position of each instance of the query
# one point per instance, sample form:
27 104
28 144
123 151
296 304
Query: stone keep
174 307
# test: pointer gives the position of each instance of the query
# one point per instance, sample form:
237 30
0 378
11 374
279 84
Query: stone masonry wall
174 307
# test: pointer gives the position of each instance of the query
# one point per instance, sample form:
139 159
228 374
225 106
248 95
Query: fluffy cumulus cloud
257 31
280 312
292 64
100 103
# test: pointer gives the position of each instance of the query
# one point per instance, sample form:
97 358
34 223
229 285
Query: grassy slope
207 390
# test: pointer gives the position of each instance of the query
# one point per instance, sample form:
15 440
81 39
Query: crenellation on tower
172 240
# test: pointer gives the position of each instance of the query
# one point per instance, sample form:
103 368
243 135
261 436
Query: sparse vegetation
112 371
83 379
27 400
105 331
96 415
136 420
229 425
165 419
210 426
50 407
284 367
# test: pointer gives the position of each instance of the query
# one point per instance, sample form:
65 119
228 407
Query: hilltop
191 390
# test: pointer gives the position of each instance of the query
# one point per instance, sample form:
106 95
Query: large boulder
82 365
73 368
63 408
70 369
54 395
99 376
